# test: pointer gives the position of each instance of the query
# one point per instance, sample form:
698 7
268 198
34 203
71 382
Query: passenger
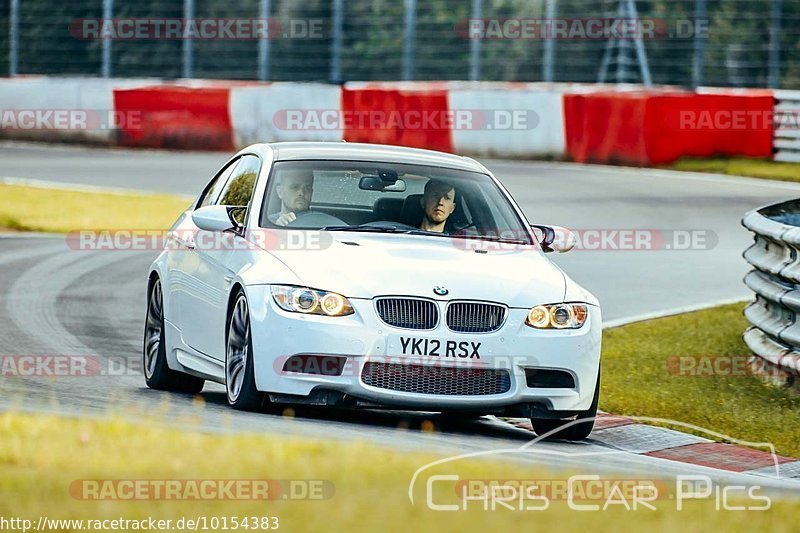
438 203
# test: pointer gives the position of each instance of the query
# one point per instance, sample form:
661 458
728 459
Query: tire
157 373
240 382
577 431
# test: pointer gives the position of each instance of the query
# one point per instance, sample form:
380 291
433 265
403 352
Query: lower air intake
437 380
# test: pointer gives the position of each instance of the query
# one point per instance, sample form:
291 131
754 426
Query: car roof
293 151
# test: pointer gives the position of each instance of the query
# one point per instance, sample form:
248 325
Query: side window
217 184
239 189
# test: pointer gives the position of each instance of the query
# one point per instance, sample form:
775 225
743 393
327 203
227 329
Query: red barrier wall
361 105
657 128
176 117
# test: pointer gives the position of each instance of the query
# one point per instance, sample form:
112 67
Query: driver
295 188
438 203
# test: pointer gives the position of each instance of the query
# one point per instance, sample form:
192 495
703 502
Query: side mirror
555 238
215 218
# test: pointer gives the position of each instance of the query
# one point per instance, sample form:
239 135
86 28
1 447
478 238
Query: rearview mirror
215 218
378 183
555 238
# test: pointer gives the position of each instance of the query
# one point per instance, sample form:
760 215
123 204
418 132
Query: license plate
440 348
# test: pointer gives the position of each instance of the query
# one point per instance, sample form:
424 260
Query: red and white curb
628 435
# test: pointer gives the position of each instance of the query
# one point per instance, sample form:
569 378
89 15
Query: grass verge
27 208
741 166
42 456
640 377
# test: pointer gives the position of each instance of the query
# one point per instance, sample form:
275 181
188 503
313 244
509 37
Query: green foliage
43 459
741 166
240 190
64 210
737 48
637 379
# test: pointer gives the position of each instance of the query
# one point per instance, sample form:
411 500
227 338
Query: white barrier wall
260 113
787 128
221 114
536 128
64 97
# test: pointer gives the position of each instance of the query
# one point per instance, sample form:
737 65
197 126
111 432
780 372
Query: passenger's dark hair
441 185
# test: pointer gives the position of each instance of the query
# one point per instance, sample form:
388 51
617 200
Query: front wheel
240 382
581 427
157 373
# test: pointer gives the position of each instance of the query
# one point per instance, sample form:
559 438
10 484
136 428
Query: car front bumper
363 338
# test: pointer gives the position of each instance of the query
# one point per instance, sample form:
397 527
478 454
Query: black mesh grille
475 317
544 378
424 379
408 313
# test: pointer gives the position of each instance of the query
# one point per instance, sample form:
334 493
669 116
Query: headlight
310 301
557 316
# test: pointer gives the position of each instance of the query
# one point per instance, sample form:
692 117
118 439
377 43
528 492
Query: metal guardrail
787 134
775 314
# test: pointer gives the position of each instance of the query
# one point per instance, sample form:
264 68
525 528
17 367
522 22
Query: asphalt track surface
54 300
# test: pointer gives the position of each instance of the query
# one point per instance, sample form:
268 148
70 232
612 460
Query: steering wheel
315 219
392 223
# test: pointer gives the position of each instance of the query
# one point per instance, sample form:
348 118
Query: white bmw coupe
372 276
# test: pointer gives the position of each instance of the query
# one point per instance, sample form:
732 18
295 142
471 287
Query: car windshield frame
429 171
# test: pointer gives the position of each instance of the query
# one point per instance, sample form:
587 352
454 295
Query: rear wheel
581 426
157 374
240 382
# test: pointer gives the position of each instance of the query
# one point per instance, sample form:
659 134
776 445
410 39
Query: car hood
369 265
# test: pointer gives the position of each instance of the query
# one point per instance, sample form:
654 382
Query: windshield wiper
490 238
371 229
415 231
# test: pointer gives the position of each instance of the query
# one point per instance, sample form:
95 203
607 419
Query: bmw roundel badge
440 290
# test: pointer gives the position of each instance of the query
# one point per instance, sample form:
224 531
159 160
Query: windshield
391 198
